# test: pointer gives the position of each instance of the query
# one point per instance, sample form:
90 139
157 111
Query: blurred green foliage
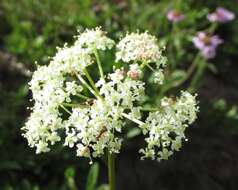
32 29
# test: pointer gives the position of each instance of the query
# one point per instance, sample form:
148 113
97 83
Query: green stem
212 28
99 63
82 96
88 86
151 68
132 119
143 64
65 109
189 72
197 76
90 80
69 104
111 171
173 45
148 109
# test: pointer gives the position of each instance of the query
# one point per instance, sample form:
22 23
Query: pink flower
207 44
133 75
221 15
175 16
134 72
209 52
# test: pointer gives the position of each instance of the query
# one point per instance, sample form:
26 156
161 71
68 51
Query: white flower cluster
50 89
165 128
94 128
93 124
138 47
49 92
142 47
95 38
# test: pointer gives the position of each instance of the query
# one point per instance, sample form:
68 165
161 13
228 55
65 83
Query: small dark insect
173 98
89 102
101 133
86 151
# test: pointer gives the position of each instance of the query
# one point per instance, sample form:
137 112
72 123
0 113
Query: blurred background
30 31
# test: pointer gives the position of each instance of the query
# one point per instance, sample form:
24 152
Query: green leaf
9 165
212 68
92 177
175 77
233 112
177 74
103 187
69 172
220 104
69 175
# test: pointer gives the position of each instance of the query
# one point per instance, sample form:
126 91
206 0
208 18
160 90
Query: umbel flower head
90 116
138 47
